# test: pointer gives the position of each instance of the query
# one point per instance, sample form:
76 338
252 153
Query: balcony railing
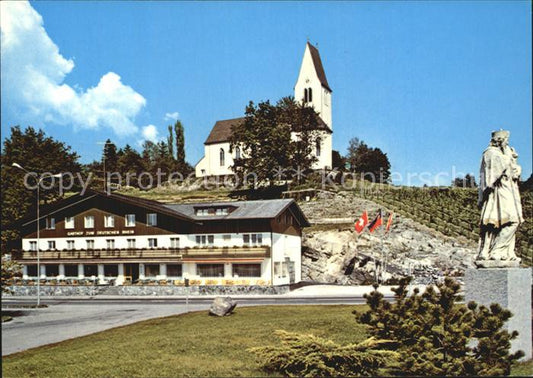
146 253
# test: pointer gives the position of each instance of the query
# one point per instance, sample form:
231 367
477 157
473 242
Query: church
312 88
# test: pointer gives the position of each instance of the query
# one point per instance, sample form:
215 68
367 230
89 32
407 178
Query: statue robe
498 192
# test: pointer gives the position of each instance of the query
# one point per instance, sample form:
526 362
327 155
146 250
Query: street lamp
38 179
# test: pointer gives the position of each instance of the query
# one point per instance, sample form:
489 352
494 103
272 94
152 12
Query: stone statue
499 201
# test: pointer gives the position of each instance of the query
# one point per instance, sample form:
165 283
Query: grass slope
189 345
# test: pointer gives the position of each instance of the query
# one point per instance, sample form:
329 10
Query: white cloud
172 116
150 133
33 73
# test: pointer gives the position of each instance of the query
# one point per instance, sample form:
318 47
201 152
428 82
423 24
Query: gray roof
266 209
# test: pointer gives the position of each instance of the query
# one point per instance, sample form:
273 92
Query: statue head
500 138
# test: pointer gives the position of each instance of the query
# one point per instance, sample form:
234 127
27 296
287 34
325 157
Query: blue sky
425 81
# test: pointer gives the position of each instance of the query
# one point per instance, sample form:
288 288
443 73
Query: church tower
312 89
312 85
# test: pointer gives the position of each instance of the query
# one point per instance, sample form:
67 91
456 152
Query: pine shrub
312 356
436 336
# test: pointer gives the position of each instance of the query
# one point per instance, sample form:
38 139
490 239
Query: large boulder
222 306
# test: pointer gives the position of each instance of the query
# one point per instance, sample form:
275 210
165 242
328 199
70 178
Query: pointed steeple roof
317 62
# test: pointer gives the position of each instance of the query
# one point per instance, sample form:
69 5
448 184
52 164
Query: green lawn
188 345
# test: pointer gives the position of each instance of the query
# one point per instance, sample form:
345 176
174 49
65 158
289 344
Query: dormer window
151 219
69 223
50 223
210 211
109 221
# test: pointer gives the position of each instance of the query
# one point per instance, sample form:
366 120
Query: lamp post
38 179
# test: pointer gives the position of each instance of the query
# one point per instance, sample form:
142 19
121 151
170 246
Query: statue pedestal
511 289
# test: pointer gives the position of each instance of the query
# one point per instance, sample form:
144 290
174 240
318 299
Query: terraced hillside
451 211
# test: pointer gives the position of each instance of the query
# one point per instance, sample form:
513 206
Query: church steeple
312 86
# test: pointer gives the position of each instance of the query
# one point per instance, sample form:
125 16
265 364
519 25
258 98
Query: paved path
64 321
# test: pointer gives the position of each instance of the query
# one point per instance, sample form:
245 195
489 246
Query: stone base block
511 289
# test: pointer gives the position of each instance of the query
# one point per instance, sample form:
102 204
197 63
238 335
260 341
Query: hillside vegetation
451 211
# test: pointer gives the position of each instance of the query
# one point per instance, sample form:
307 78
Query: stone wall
146 290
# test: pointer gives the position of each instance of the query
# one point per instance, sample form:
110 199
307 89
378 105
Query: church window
305 95
237 153
310 94
318 147
222 163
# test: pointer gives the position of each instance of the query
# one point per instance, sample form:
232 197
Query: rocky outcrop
335 253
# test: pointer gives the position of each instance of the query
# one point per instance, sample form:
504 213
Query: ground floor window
52 270
90 270
111 270
246 270
71 270
174 270
210 270
151 270
281 269
32 270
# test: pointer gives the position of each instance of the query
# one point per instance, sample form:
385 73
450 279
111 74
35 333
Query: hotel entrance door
131 272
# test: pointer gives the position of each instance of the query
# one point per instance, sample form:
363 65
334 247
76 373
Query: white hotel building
122 239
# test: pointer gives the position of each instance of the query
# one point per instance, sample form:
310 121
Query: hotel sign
100 233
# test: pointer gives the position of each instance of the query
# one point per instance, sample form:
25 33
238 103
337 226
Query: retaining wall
148 290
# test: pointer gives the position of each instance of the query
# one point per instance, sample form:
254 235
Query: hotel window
130 220
69 223
174 270
210 270
52 270
152 242
71 270
222 211
90 244
205 239
51 244
237 153
110 243
33 246
111 270
222 157
50 223
151 270
131 243
32 270
246 270
151 219
202 212
90 270
70 244
89 221
226 238
174 242
256 239
109 221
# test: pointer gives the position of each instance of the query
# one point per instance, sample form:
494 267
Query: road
65 319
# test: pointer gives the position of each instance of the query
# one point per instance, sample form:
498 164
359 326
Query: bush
311 356
436 336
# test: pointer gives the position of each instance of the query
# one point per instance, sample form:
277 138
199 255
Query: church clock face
307 80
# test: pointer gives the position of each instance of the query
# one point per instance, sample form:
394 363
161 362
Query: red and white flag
376 222
389 223
361 223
